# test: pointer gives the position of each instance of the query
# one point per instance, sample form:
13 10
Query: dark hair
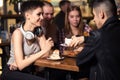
30 5
110 5
47 3
63 2
67 24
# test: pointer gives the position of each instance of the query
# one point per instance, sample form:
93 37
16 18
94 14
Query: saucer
64 45
55 59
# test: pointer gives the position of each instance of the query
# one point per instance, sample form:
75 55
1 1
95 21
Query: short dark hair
63 2
110 4
30 5
47 3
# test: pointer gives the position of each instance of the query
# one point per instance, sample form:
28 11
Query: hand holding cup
75 41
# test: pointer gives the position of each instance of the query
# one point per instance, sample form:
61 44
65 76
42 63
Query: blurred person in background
28 44
49 27
74 26
51 30
102 47
60 17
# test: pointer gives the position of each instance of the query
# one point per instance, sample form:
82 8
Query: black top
102 51
60 20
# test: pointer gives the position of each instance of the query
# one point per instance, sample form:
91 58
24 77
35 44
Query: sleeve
91 44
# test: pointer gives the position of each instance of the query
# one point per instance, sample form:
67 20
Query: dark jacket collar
110 21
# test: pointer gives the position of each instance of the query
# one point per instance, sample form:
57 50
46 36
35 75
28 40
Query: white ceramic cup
68 41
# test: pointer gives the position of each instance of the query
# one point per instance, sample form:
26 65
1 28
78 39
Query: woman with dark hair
28 43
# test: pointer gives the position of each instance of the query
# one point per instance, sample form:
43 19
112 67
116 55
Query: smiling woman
27 50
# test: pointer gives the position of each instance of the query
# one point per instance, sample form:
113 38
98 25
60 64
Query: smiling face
74 18
48 12
35 16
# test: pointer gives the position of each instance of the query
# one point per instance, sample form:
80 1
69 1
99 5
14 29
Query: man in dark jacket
49 27
102 47
60 17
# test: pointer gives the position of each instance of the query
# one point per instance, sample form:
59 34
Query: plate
63 44
55 59
68 53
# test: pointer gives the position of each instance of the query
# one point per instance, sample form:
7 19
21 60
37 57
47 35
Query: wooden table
68 64
65 64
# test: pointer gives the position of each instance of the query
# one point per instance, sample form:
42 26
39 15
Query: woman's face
74 18
36 17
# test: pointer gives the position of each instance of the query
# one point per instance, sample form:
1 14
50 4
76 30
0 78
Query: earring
28 18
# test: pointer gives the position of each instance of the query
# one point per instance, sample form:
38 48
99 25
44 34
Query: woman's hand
13 66
76 41
47 46
45 55
79 49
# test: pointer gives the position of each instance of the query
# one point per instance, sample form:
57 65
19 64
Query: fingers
50 41
45 55
79 49
12 67
76 41
81 39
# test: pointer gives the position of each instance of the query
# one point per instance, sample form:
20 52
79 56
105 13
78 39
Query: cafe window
84 5
1 6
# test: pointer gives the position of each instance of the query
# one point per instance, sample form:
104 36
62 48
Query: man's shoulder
111 24
59 14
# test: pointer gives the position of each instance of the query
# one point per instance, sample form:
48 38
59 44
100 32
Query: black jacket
102 51
60 20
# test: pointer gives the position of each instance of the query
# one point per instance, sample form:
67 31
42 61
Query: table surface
67 63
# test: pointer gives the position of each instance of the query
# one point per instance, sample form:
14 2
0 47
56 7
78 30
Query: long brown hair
67 28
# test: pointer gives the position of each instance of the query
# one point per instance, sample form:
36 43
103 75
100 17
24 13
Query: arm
76 41
42 41
20 59
91 45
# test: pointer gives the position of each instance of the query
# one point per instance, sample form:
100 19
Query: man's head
102 10
64 4
48 11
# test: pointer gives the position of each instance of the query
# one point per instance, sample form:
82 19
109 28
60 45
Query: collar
110 21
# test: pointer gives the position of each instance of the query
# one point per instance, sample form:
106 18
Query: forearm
42 41
90 47
29 60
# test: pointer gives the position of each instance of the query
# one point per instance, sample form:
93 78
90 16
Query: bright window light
1 3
